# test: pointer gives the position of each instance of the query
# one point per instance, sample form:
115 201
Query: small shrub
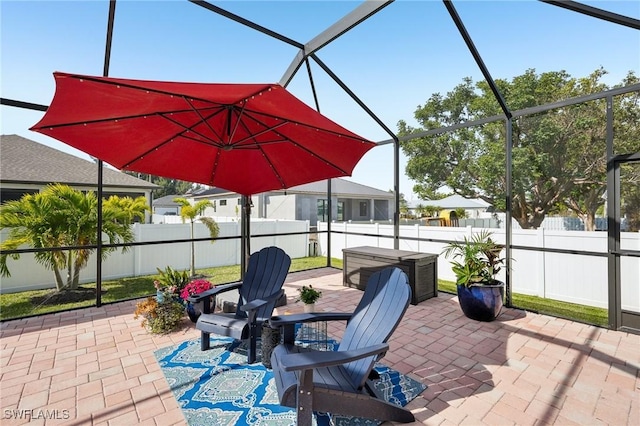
159 318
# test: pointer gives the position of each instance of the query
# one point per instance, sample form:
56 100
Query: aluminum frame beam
476 56
616 18
353 18
22 104
246 22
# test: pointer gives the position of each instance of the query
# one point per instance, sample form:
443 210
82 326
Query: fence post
541 281
469 231
238 244
275 231
137 250
346 237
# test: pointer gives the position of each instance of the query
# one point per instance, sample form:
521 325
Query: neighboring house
27 166
473 207
350 202
165 206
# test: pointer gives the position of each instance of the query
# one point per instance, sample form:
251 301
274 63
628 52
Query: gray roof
166 201
206 192
340 187
25 161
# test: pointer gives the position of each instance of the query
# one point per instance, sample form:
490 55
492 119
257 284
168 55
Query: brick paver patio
96 366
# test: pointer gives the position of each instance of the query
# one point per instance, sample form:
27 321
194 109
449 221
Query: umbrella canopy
245 138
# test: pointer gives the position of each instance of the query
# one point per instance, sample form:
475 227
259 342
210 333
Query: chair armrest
283 320
253 305
318 359
216 290
256 303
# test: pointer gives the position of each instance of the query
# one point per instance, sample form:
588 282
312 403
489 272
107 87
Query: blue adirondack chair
259 293
336 381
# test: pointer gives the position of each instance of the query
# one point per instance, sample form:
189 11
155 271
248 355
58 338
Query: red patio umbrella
246 138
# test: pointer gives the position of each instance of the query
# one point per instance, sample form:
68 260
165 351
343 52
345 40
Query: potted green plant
170 279
309 296
476 261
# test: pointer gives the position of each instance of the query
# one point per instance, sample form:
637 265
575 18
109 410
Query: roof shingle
24 160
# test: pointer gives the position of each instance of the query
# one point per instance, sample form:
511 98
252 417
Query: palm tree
189 211
60 216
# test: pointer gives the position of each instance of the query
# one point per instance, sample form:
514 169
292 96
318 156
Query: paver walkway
96 366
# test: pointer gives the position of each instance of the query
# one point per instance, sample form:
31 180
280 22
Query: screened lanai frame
361 13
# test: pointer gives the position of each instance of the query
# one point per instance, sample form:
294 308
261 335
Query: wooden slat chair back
258 294
266 273
376 317
336 381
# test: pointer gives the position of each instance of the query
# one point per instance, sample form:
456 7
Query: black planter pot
481 302
193 312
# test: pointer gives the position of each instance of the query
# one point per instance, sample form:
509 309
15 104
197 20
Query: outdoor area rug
218 387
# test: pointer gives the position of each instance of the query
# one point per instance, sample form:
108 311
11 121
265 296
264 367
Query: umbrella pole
245 238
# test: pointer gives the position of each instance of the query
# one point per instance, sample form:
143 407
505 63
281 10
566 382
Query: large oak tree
559 156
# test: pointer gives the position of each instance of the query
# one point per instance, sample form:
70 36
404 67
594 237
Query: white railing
567 277
27 274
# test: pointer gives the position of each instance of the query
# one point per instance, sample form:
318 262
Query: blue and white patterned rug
218 387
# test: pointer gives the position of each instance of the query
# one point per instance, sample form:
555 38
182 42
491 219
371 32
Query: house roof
205 192
23 160
340 187
166 201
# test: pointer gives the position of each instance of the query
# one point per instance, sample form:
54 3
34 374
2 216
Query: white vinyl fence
27 274
571 278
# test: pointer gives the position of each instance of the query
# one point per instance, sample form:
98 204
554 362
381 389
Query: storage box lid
384 252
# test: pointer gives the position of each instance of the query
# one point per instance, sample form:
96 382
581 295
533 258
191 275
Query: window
363 209
322 210
14 194
223 203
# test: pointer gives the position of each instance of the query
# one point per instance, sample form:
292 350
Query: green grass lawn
571 311
17 305
27 303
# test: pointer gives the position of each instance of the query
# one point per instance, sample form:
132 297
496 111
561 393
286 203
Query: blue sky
393 62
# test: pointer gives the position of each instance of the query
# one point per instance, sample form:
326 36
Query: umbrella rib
298 145
123 117
215 167
258 146
204 120
102 80
238 144
190 129
300 123
182 133
235 128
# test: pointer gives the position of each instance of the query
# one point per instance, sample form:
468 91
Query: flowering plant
195 287
165 293
308 294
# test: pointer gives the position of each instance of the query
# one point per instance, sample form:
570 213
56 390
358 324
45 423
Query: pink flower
195 287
